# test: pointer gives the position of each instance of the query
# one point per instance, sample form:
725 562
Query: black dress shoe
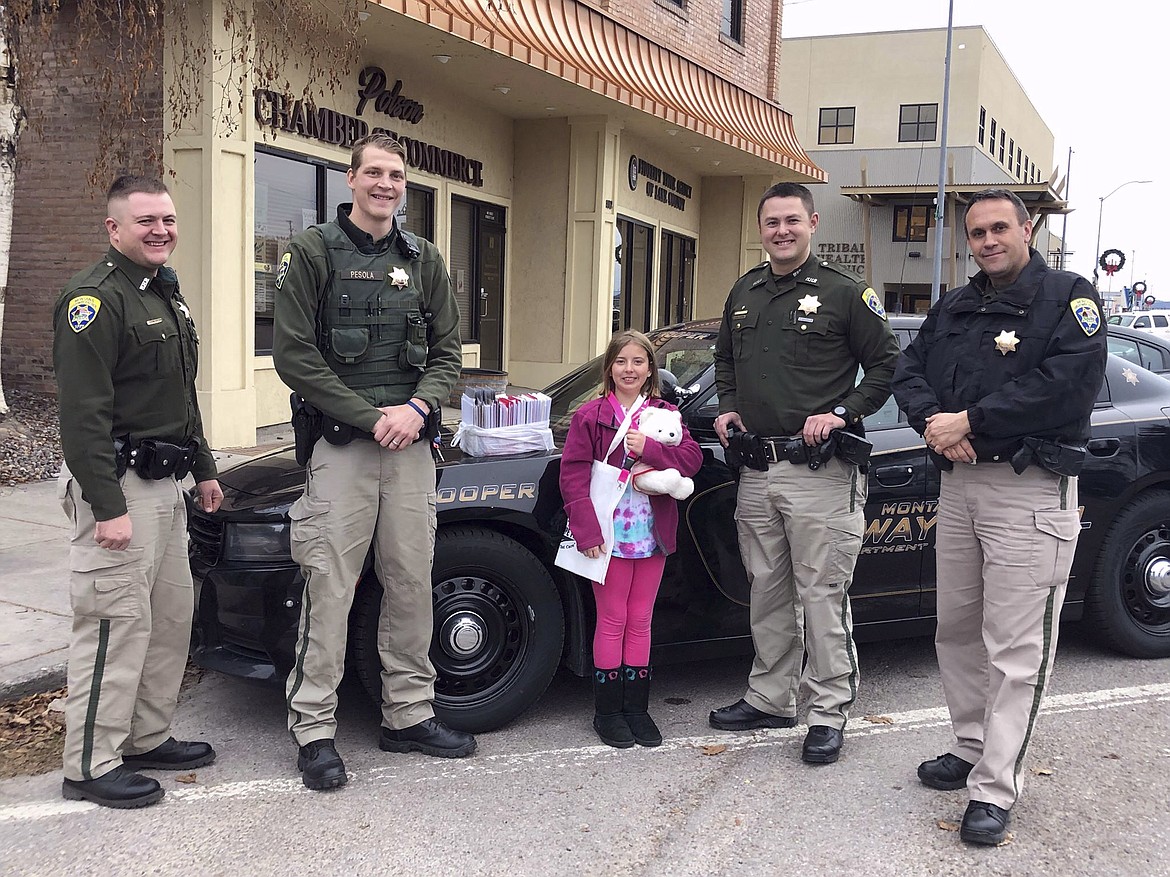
947 772
320 766
984 823
430 737
742 716
822 745
172 754
120 788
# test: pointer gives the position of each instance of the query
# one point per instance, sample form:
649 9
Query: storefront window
293 193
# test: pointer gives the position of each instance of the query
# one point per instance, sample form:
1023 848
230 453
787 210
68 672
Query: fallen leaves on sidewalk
31 735
714 749
947 825
186 778
879 720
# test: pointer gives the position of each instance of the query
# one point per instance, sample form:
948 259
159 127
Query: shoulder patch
282 271
83 310
1088 317
872 302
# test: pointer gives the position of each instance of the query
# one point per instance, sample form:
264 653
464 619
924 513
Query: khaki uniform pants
1005 545
355 494
799 536
131 627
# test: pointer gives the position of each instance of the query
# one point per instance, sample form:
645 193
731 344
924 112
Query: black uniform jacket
1028 362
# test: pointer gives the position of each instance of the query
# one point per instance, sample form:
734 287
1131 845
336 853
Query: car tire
498 632
1122 607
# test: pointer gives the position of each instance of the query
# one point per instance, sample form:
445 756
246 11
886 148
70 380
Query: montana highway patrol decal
83 310
871 301
282 271
1088 317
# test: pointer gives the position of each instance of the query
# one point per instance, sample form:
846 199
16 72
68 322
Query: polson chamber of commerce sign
281 112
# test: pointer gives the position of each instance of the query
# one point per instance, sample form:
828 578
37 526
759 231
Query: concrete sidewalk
35 616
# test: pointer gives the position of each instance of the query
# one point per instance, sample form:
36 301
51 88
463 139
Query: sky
1090 70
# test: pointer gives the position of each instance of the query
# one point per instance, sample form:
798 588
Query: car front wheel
498 629
1128 602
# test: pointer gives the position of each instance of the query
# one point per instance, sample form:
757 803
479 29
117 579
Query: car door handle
1106 447
894 476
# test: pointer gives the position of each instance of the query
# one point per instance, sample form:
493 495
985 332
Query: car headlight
256 542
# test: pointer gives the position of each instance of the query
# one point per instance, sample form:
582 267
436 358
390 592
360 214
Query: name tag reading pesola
377 276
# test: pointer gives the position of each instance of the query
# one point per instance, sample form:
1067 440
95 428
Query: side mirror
671 391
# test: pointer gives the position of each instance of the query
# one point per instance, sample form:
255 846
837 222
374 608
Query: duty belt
154 458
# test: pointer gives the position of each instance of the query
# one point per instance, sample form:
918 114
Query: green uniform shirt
790 346
301 290
125 352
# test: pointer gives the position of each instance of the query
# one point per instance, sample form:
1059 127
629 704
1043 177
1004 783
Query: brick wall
692 30
57 216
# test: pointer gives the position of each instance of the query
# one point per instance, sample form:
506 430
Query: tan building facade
868 108
581 166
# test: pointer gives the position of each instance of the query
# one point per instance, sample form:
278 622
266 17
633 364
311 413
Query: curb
36 682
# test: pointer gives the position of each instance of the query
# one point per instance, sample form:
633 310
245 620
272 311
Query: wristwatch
841 412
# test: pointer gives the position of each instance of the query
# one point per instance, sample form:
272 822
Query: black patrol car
506 618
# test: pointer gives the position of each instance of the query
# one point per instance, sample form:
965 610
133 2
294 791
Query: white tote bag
606 485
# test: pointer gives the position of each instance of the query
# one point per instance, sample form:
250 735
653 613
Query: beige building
868 109
581 167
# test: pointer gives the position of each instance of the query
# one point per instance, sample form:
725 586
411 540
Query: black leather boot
635 706
608 721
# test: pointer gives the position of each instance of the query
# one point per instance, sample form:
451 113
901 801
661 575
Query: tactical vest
373 326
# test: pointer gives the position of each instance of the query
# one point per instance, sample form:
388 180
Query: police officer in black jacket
1001 381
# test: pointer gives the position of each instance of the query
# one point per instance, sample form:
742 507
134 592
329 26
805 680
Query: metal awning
1040 198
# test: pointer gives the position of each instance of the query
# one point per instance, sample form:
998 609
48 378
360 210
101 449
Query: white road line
508 762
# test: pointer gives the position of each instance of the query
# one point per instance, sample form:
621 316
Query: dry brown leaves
947 825
714 749
186 778
879 720
31 735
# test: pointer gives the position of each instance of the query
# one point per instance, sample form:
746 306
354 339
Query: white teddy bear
665 427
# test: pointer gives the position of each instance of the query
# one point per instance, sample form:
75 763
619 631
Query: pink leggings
625 606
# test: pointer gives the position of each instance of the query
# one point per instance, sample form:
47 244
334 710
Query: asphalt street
543 797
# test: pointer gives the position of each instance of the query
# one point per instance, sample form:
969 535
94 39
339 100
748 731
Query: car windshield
1121 319
684 354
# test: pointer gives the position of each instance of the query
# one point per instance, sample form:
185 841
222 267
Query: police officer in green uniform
125 353
795 329
367 333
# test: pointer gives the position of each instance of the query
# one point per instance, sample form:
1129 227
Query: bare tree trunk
10 123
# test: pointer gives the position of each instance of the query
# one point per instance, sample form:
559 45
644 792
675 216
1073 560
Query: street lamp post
1100 214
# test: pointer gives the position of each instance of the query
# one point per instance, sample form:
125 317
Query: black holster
851 448
306 424
1057 457
745 449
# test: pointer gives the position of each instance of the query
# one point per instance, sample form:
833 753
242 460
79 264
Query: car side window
1152 358
889 414
1141 323
1126 349
1160 321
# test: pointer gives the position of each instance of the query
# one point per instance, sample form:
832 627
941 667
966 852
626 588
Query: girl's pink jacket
593 428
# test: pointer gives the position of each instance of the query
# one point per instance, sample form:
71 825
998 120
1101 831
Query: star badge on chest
1005 342
809 304
399 278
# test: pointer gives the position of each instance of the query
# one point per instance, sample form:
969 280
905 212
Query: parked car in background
1157 323
505 618
1140 347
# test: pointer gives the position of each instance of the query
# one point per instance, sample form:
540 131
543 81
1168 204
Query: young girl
644 533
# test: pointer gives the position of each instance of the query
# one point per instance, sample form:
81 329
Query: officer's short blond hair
378 140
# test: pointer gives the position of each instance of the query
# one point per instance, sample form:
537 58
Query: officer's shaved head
130 184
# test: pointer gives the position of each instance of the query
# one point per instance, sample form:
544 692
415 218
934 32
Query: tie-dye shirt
633 526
